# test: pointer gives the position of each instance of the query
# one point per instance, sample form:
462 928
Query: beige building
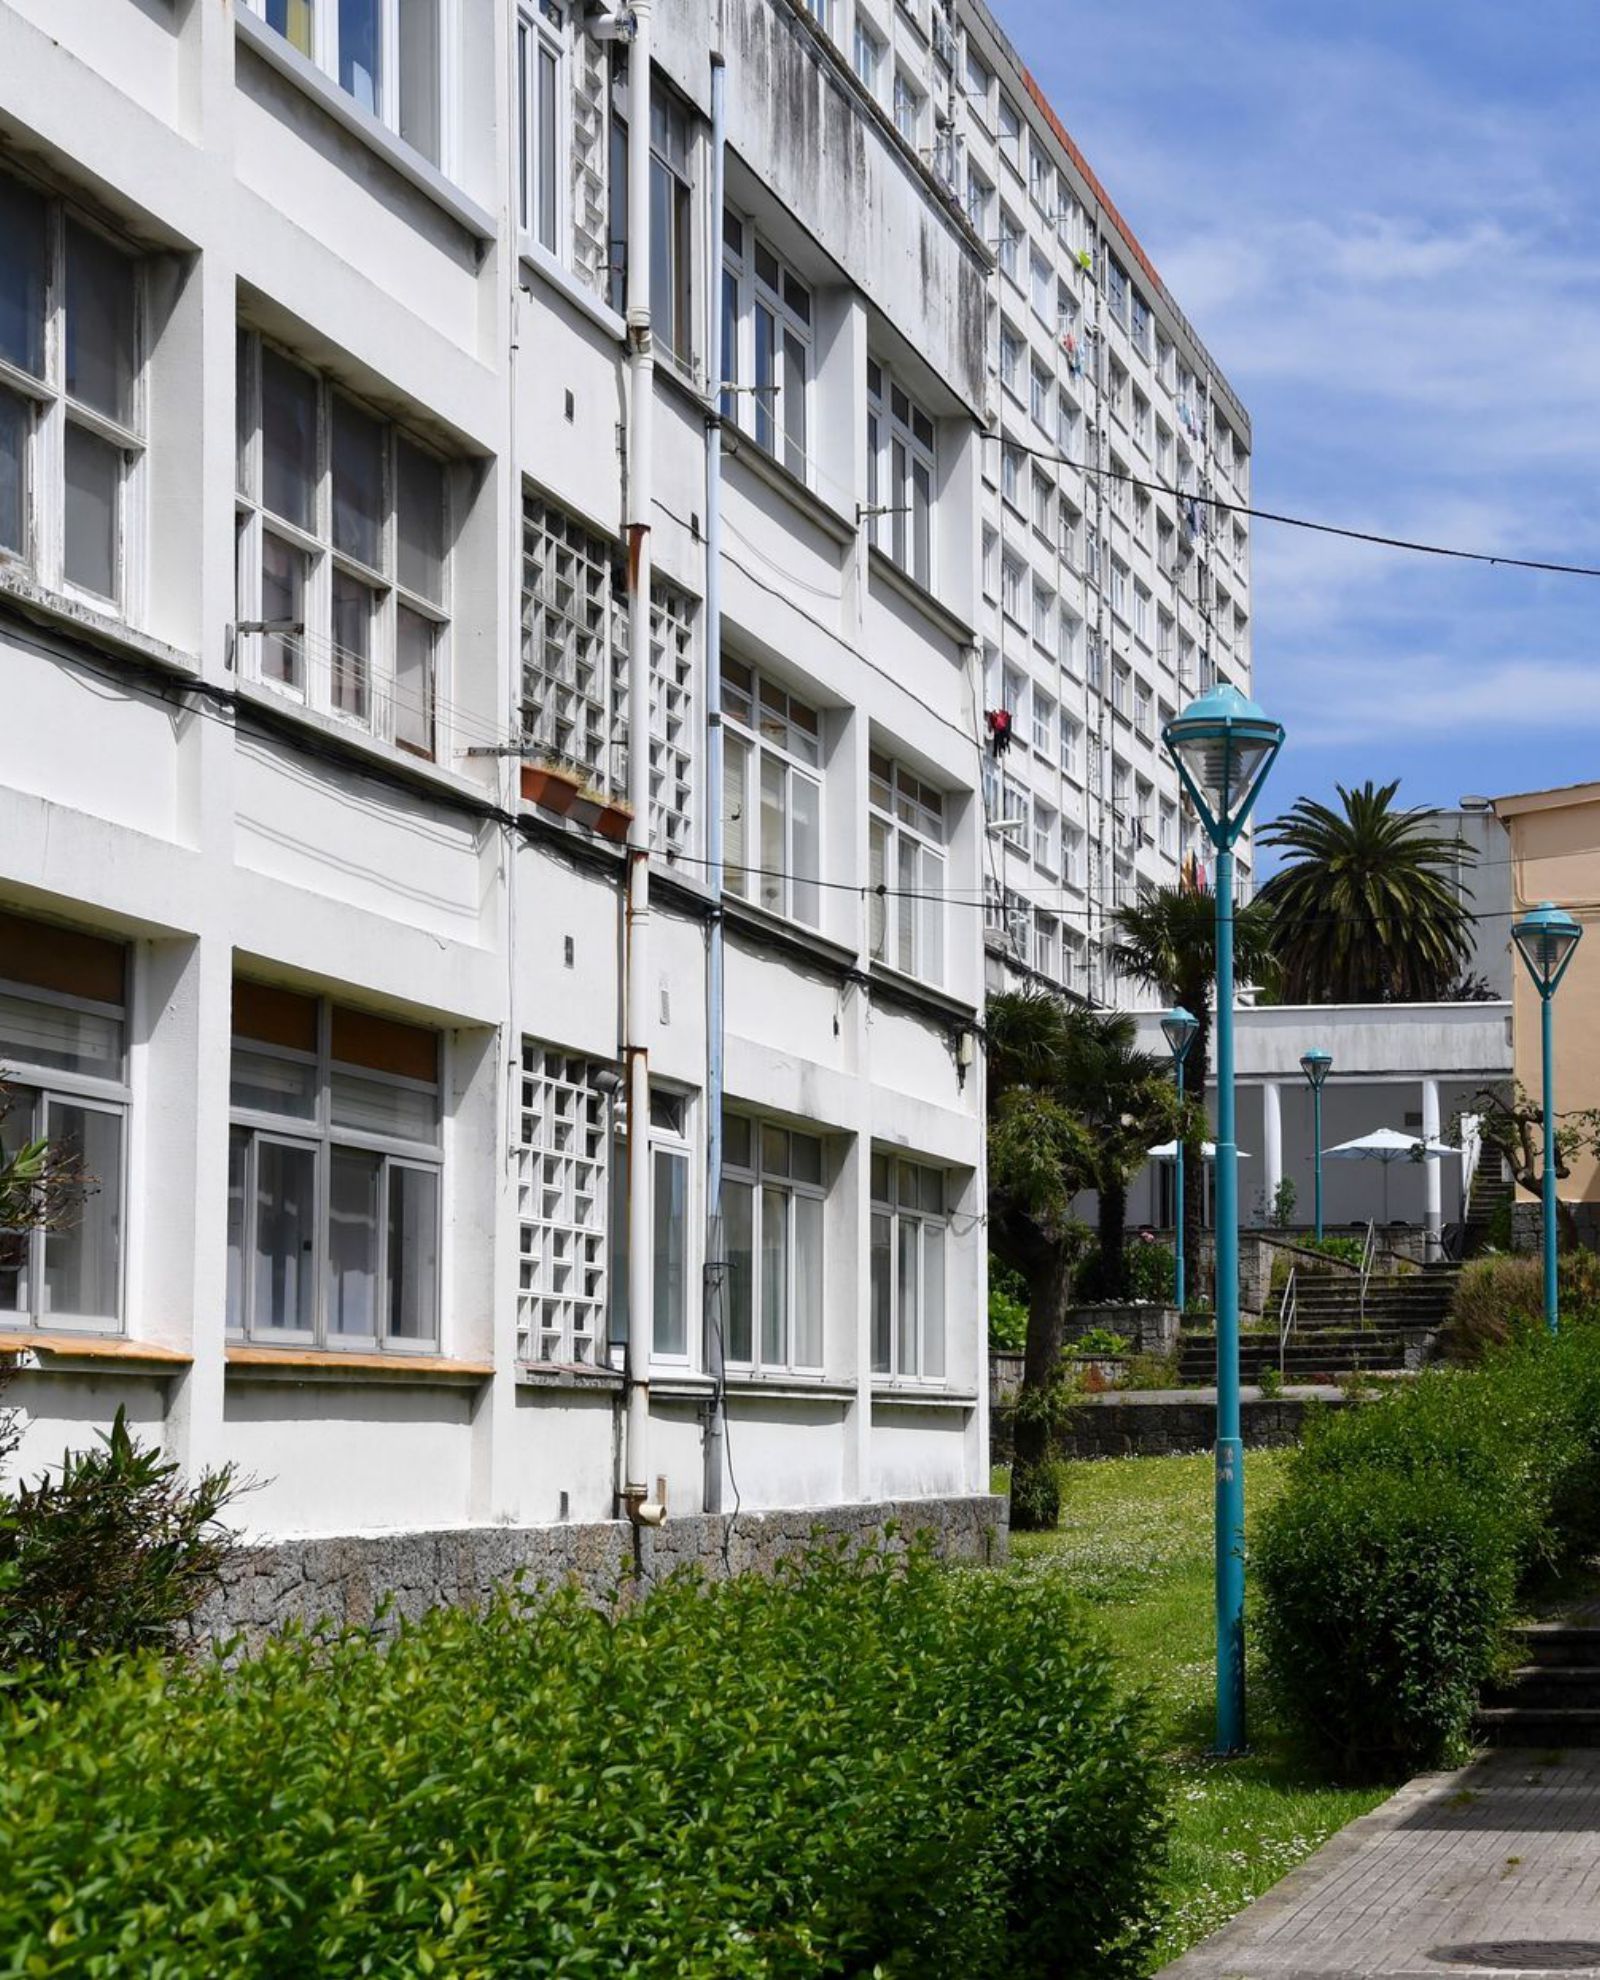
1555 856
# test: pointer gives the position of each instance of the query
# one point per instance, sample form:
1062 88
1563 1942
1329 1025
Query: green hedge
1390 1567
851 1769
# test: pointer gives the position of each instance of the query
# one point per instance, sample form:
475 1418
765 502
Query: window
1046 826
1141 612
1041 181
1074 854
1121 689
772 1218
1071 746
821 11
1140 327
1141 419
1168 840
1119 589
63 1042
563 1168
1011 471
907 108
574 645
991 561
868 55
766 340
333 1174
1009 253
901 467
905 853
1011 348
1012 576
342 547
1010 128
1042 287
1046 956
670 1170
1070 645
542 85
671 224
1044 612
1117 388
908 1270
1039 397
979 82
1094 665
1143 707
771 795
386 54
1069 429
1117 290
72 411
1043 497
980 202
1044 721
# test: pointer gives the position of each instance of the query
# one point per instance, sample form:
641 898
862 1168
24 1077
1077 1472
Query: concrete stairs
1489 1191
1404 1311
1552 1698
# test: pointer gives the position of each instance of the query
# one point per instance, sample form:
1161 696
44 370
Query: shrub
1270 1382
1008 1308
116 1552
1036 1497
1151 1272
851 1768
1494 1298
1099 1340
1384 1603
1390 1565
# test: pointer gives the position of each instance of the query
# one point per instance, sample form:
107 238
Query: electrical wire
1055 456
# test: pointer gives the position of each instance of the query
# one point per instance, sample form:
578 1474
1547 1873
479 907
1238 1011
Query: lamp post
1546 938
1178 1027
1316 1065
1223 746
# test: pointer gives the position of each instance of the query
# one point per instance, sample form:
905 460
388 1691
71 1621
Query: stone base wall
1148 1329
1527 1224
1130 1427
383 1579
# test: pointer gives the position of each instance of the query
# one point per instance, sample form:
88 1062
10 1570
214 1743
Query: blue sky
1383 218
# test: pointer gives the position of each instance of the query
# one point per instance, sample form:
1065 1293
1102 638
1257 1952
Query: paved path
1494 1870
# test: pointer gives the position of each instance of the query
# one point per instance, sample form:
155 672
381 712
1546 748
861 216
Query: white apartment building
356 582
1108 602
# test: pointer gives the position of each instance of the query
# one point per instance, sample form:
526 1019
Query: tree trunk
1034 1499
1113 1232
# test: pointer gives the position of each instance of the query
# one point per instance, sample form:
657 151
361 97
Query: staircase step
1561 1646
1544 1726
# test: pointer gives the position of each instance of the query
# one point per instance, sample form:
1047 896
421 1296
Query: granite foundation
378 1581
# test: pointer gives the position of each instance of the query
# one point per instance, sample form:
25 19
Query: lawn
1135 1541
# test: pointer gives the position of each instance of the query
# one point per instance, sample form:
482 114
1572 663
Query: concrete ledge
378 1580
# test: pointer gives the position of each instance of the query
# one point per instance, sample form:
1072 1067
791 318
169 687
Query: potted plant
552 784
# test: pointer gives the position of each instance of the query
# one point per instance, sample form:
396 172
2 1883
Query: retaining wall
1160 1424
379 1580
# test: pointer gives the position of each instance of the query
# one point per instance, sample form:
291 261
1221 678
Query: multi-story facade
411 615
1113 590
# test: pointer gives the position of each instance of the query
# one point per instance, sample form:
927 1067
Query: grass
1135 1541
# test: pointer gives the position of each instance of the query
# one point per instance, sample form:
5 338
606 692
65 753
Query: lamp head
1316 1064
1178 1027
1223 745
1546 937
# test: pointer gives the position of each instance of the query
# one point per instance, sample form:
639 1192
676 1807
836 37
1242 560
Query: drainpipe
636 1499
715 1274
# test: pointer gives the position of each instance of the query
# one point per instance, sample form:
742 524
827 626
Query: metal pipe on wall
636 1498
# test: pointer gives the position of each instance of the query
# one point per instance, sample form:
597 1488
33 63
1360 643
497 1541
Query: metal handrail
1369 1256
1288 1307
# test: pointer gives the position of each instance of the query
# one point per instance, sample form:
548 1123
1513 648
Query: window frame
51 411
907 824
52 1086
673 1143
886 1177
747 294
753 735
902 446
544 27
324 561
762 1181
387 107
323 1138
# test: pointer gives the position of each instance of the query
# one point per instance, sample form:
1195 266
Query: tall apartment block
507 568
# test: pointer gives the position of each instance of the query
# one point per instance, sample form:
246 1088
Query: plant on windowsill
559 785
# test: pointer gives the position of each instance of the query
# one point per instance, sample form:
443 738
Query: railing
1288 1306
1369 1256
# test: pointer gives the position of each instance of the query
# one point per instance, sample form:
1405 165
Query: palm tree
1125 1098
1167 941
1366 911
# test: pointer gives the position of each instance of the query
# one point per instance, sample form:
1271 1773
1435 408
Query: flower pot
586 810
613 823
549 787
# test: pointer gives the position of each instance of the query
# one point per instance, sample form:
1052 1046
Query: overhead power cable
1298 522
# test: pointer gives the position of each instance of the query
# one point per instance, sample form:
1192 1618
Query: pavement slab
1488 1873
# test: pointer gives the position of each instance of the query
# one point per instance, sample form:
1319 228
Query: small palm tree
1366 910
1125 1098
1167 941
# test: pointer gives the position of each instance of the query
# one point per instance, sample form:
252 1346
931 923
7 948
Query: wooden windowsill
95 1347
312 1364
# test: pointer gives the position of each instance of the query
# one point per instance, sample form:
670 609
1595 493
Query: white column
1433 1211
1271 1146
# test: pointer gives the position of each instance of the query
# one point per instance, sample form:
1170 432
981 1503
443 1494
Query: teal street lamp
1224 745
1546 938
1178 1027
1316 1065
